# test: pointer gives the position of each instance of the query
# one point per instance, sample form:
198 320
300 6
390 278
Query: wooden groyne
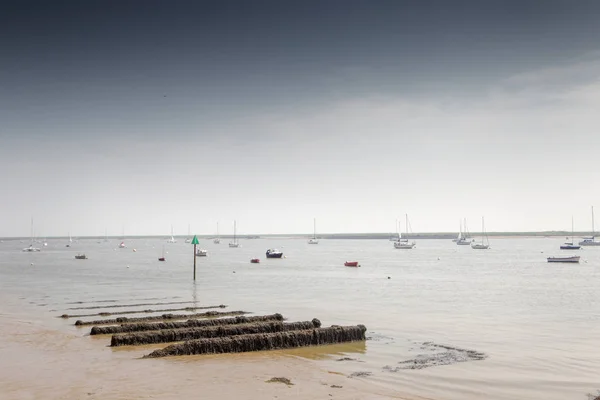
147 311
164 317
265 341
178 335
198 323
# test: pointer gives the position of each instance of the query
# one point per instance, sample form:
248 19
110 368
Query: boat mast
406 218
314 228
593 233
482 230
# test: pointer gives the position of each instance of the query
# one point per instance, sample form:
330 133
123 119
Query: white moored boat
172 239
463 236
235 242
201 253
485 243
403 243
591 240
217 240
31 249
314 239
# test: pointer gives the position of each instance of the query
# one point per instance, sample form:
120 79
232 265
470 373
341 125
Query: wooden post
195 242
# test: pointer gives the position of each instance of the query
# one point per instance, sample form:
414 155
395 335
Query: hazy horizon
134 116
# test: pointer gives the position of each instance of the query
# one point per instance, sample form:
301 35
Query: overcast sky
139 115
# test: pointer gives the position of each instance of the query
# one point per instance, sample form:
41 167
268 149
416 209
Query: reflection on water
535 322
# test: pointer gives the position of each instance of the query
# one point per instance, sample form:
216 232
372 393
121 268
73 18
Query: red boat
255 261
161 259
351 263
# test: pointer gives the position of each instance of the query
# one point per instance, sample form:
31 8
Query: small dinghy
255 260
351 264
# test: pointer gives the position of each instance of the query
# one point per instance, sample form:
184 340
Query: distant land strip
424 235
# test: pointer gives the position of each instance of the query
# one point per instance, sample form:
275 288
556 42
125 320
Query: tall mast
406 217
572 229
482 230
593 221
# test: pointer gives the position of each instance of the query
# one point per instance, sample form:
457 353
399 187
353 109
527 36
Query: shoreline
46 361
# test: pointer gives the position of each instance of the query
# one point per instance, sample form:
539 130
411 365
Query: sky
135 116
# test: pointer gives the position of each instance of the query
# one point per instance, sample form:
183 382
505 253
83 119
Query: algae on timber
179 335
265 341
173 317
106 314
107 330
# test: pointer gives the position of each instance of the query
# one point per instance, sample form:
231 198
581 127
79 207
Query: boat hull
589 243
351 264
255 261
405 246
574 259
570 247
274 255
480 246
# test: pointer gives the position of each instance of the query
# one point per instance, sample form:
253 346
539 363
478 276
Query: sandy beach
42 362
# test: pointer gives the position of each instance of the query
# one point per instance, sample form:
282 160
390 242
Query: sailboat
570 245
31 249
463 236
235 242
403 243
189 238
163 255
105 235
314 239
591 240
172 239
485 243
70 241
122 244
217 240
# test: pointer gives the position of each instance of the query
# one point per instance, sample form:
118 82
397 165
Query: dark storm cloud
258 48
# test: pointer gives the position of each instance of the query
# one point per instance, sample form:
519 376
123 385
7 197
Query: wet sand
40 362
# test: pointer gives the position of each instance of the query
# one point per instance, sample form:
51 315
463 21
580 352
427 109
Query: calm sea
534 324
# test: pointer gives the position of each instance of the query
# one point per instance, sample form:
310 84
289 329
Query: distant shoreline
377 236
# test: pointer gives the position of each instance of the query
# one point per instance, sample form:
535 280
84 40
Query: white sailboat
463 236
485 243
31 249
314 239
403 243
189 238
591 240
235 242
70 241
217 240
172 239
